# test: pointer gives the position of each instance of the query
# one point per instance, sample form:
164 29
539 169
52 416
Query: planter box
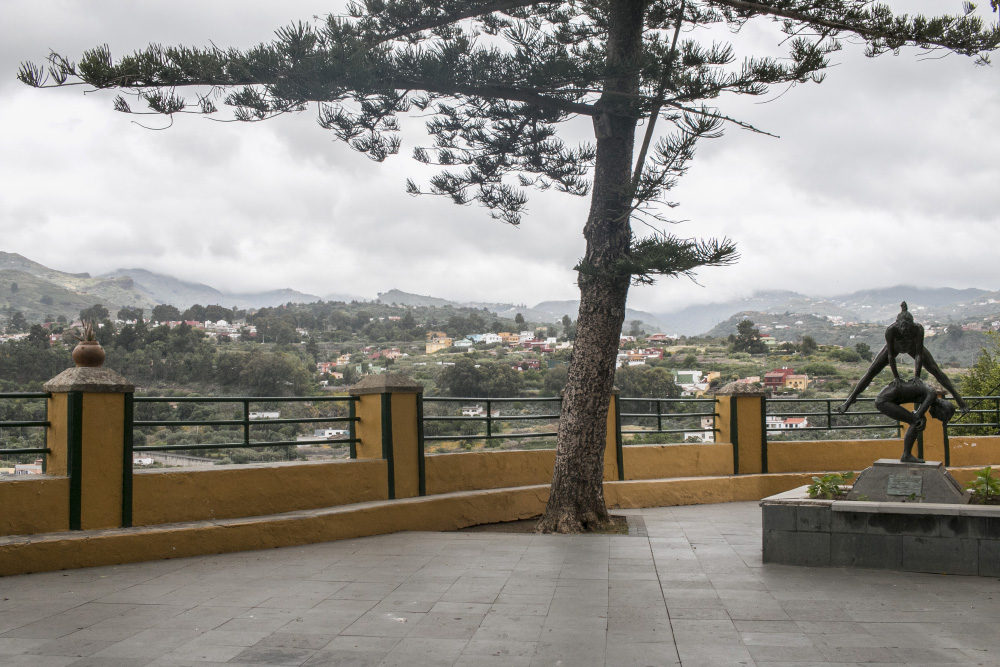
912 537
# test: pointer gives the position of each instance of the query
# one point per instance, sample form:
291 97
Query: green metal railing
985 409
827 417
491 422
246 423
659 412
23 423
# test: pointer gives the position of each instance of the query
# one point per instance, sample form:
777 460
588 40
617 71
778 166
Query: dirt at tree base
619 527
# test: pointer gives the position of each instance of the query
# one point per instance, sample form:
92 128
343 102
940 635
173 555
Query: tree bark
576 502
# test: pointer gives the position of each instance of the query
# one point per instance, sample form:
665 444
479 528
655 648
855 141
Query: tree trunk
576 502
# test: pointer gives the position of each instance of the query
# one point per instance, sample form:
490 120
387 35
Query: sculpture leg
880 361
909 439
939 375
901 414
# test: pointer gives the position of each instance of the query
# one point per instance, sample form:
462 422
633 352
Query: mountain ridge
48 291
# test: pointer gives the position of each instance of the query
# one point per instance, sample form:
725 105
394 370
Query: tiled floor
691 592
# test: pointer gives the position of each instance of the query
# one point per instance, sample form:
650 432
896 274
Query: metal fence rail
963 422
245 423
659 414
488 419
25 423
877 421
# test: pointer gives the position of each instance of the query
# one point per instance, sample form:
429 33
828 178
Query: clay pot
88 354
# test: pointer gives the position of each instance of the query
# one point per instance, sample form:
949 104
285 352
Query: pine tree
496 79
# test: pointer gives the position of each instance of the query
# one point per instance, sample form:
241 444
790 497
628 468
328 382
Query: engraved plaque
904 485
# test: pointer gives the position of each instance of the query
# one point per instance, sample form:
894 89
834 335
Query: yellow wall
172 495
827 455
446 473
31 504
698 490
685 460
975 450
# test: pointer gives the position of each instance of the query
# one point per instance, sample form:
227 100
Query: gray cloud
885 173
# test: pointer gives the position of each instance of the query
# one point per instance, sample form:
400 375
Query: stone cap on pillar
92 380
386 383
741 388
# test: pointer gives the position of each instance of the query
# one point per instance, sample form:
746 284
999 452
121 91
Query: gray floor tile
694 587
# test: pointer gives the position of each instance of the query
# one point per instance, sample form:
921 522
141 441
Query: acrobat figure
907 336
921 394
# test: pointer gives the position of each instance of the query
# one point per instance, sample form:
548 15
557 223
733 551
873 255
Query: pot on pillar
88 353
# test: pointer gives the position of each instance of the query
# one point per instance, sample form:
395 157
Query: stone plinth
888 480
911 537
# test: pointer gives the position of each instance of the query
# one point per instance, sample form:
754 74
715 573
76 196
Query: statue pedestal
889 480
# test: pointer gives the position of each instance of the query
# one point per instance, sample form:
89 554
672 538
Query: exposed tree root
571 521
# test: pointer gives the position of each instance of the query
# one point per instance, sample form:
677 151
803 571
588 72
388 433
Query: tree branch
443 20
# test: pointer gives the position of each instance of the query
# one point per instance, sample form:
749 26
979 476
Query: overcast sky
886 173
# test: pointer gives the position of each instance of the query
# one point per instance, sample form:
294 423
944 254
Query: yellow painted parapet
467 471
32 504
681 460
975 450
828 455
226 492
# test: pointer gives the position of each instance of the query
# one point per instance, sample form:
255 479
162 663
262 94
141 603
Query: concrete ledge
913 537
65 550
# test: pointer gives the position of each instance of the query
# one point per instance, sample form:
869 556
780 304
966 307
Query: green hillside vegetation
40 300
281 361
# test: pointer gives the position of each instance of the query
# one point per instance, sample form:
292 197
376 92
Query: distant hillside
402 298
698 319
37 298
941 305
170 290
651 323
950 344
184 294
43 291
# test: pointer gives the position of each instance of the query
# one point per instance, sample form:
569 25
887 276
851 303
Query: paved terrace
686 588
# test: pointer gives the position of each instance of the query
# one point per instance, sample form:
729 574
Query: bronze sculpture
906 336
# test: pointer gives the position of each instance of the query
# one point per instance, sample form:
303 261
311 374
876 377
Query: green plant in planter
985 487
828 486
87 332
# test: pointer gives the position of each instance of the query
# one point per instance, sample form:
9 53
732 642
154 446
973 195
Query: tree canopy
747 338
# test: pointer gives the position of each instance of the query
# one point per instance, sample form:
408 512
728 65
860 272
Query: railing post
742 422
90 439
389 427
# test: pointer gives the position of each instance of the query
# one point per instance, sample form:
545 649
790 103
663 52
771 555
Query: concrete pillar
741 422
90 438
613 458
389 412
